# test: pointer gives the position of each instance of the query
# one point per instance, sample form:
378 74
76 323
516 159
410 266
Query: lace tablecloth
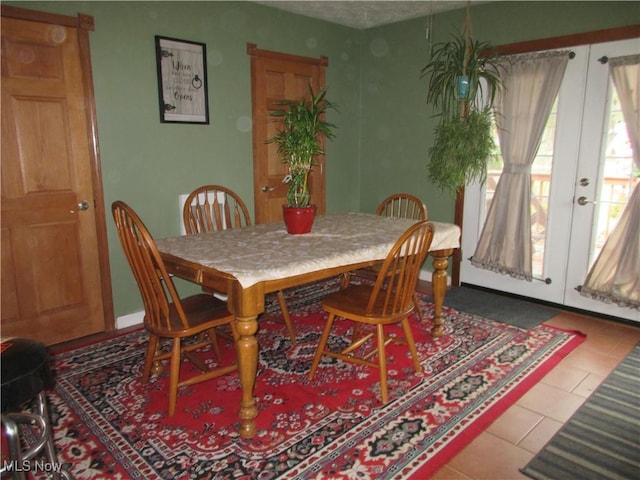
267 252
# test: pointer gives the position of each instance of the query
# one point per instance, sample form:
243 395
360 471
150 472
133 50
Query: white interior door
581 180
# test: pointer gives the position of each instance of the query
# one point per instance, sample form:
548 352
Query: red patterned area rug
108 425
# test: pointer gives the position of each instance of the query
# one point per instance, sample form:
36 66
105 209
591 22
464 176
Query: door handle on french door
582 201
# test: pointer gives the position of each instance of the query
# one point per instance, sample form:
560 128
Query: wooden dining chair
213 207
389 301
403 205
398 205
166 314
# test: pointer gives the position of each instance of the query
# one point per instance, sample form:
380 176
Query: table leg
439 286
246 305
247 354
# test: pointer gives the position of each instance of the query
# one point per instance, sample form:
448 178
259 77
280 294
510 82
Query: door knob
82 205
267 188
582 201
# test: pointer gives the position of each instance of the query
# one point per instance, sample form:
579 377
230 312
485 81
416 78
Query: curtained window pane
620 176
615 275
530 87
540 189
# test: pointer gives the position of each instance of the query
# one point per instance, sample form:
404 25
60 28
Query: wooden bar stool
26 375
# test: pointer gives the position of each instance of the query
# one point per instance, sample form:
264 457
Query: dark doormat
501 308
602 439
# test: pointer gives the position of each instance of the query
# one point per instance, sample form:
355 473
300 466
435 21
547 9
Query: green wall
148 164
373 75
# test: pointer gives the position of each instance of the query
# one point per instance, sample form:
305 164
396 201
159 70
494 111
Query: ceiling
362 14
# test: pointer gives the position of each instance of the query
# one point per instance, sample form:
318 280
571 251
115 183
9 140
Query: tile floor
515 437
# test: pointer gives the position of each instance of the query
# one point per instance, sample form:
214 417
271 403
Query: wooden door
55 284
278 76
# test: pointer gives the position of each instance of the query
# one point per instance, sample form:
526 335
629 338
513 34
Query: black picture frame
182 81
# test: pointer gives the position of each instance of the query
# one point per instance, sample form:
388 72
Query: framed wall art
182 81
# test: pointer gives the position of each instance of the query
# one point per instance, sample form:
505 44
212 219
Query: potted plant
463 76
300 141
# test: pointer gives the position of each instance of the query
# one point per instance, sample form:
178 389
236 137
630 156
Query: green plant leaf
461 150
477 60
299 140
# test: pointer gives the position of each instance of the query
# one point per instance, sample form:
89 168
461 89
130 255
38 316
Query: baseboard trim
129 320
427 275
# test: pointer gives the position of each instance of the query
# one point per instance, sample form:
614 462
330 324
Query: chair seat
352 302
26 371
201 310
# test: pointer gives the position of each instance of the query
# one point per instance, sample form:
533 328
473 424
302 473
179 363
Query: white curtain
615 275
531 83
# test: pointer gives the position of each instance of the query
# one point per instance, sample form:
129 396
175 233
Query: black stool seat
26 374
26 371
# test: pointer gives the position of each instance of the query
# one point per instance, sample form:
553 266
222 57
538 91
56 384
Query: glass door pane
540 189
620 175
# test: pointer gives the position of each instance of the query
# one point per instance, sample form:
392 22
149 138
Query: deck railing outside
613 197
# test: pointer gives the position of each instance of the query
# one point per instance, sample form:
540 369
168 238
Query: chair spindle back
158 292
214 207
396 281
403 205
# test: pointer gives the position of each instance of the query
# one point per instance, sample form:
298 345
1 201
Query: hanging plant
463 77
460 151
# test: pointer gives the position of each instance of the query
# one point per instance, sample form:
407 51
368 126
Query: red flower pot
298 220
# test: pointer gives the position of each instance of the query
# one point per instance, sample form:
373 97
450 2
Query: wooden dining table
248 263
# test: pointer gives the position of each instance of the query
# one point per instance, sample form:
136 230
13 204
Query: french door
581 180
